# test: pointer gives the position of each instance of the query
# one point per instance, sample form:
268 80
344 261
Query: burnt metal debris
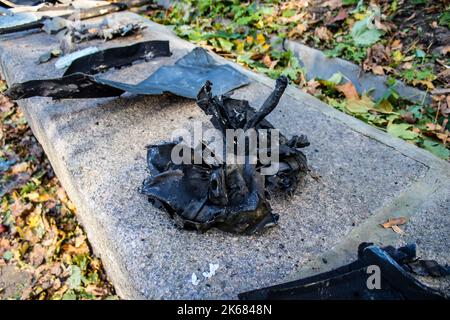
230 197
74 15
350 281
184 78
118 57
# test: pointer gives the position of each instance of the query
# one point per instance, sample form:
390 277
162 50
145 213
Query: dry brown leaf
311 86
323 34
332 4
83 248
396 45
267 61
37 255
445 50
297 31
349 90
398 230
20 167
3 228
407 66
342 15
378 70
394 222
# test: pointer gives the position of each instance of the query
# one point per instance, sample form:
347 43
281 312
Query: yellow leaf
385 107
260 39
260 24
249 39
362 105
426 83
397 56
239 45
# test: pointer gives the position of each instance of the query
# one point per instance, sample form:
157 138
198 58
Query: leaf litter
39 231
403 39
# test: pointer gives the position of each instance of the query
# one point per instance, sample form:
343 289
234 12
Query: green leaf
401 130
225 44
437 149
75 277
288 13
420 53
335 78
8 255
364 32
69 295
444 19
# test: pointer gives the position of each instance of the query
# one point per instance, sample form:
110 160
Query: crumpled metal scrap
184 78
230 197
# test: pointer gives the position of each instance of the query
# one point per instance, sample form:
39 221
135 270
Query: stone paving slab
359 177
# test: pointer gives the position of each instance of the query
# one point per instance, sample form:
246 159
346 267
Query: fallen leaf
362 105
445 50
37 255
323 34
267 61
398 230
3 228
71 249
332 4
407 66
342 15
349 90
378 70
401 130
394 222
20 167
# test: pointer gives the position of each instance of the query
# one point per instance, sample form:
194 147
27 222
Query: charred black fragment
118 57
351 281
184 79
77 85
230 197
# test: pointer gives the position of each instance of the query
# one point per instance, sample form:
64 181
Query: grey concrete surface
359 176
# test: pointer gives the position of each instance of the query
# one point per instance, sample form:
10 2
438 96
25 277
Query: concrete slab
359 177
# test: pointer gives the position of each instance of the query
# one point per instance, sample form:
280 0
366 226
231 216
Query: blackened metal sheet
118 57
77 85
186 77
351 281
